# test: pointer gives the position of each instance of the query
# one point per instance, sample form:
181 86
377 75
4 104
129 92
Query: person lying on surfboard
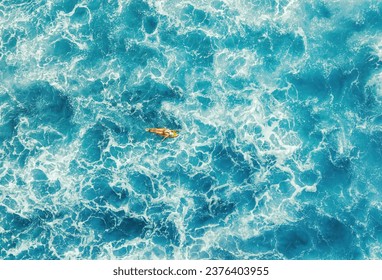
164 132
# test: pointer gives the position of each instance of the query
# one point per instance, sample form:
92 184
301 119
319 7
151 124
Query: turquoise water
279 104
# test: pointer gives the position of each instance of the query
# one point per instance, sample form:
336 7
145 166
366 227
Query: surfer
164 132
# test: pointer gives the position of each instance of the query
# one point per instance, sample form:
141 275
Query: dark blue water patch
339 81
65 5
16 149
39 232
94 89
80 16
370 144
308 177
23 157
348 27
307 124
235 100
203 86
168 35
221 208
94 142
39 175
85 213
352 84
223 157
116 152
59 244
277 176
100 220
134 13
244 200
294 242
334 40
45 105
263 243
336 240
317 9
242 173
339 159
118 197
205 103
128 229
199 46
205 129
102 45
151 92
200 183
97 5
280 94
139 55
310 83
372 20
178 173
44 188
331 238
150 24
336 175
112 126
63 49
14 222
193 16
138 205
206 213
143 184
199 217
44 215
101 193
150 95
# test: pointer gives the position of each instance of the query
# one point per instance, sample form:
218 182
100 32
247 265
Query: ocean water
279 107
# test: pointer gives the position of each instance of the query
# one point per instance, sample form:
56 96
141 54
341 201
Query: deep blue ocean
279 107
